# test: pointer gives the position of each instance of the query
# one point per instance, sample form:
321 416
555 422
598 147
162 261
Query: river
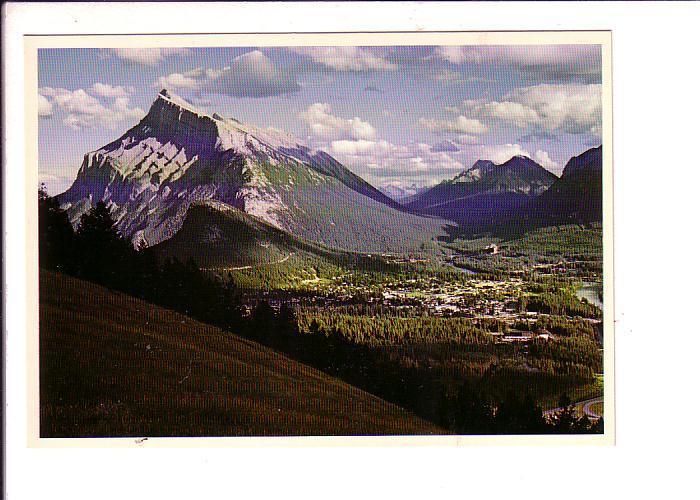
591 292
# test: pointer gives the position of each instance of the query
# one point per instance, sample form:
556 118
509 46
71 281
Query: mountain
577 196
217 235
177 155
485 191
403 194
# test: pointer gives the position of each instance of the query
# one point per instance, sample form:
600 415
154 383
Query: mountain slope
216 235
578 195
153 372
485 191
177 155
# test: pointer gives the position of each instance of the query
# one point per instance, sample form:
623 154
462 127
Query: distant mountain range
485 191
178 155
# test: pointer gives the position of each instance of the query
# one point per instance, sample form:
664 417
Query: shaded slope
112 365
216 235
485 191
578 195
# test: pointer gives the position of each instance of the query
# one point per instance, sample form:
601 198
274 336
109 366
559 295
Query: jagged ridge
177 155
485 190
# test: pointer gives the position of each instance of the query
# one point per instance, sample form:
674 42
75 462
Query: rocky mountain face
485 191
578 195
178 155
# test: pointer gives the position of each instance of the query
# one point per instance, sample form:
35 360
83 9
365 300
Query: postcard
396 238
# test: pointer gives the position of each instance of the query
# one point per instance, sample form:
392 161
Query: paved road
280 261
584 406
587 407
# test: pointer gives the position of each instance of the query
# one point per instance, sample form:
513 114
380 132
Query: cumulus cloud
346 58
514 112
542 157
461 124
176 81
466 139
575 109
252 74
545 108
83 110
107 90
501 153
149 57
326 126
45 107
551 62
382 159
444 146
365 148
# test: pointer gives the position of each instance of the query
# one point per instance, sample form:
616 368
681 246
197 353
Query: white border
656 179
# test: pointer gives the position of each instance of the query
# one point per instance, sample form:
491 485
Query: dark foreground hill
578 195
113 365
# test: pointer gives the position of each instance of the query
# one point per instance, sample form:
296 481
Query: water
463 269
590 292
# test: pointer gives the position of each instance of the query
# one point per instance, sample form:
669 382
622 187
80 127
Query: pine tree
56 236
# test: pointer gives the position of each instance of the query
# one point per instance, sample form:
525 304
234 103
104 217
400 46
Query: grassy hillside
112 365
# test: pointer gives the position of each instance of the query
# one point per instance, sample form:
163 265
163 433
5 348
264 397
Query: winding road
280 261
582 407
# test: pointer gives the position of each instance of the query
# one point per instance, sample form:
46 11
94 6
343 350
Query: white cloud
454 54
45 107
571 108
542 157
48 91
364 148
176 81
552 62
382 159
445 146
55 183
574 109
466 139
150 57
513 112
501 153
107 90
328 127
346 58
85 111
252 74
461 124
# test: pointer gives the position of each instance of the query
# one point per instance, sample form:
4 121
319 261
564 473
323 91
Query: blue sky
398 116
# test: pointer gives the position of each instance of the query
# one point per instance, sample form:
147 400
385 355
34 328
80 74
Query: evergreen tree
56 237
102 251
